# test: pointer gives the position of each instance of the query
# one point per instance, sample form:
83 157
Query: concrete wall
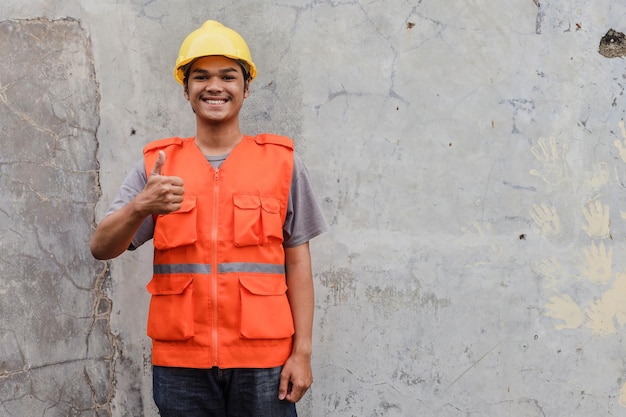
469 155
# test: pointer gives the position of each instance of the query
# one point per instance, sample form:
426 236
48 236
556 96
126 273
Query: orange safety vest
218 286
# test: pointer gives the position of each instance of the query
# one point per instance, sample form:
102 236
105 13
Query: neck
214 140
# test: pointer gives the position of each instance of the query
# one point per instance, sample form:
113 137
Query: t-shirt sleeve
133 184
304 219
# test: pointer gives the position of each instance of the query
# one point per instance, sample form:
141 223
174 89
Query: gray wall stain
55 323
341 284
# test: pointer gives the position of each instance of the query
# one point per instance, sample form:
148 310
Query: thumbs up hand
162 194
158 165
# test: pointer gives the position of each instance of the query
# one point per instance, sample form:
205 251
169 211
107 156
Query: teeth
215 101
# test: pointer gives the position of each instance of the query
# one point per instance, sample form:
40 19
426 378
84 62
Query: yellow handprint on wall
596 263
547 219
602 312
555 169
563 308
551 271
598 221
482 234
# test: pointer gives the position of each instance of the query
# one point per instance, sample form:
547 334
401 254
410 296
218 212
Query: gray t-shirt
303 222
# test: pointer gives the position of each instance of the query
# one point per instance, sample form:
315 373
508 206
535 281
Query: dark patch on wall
613 44
57 348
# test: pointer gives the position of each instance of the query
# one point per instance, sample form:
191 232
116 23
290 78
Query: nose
213 84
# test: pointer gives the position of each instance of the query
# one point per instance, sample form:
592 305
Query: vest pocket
178 228
170 317
257 220
247 219
271 220
265 310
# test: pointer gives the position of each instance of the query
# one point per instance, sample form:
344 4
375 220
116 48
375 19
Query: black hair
242 64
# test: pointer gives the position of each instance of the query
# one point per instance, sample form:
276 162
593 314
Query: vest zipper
216 192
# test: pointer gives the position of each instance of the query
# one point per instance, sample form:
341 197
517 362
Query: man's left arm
297 376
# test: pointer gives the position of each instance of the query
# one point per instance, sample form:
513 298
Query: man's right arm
115 232
161 195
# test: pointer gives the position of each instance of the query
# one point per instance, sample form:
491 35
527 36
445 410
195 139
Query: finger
158 165
295 394
283 388
297 391
176 181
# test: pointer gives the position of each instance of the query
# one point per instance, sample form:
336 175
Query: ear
246 88
186 91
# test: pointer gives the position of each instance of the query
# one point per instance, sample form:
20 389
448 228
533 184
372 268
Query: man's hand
162 194
296 378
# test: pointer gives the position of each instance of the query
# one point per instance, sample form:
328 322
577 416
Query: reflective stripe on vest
221 268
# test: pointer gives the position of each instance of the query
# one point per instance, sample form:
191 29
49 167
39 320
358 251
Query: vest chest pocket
178 228
257 220
265 310
170 317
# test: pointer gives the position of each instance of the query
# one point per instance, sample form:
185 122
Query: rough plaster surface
470 157
55 345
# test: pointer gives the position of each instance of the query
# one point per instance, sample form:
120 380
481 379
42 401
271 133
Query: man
230 216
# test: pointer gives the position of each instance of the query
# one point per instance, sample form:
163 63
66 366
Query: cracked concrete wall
55 345
470 157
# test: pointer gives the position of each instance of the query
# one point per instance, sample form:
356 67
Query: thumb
158 165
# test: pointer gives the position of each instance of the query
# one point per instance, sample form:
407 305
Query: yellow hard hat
213 38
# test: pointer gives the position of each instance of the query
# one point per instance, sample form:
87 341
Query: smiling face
216 89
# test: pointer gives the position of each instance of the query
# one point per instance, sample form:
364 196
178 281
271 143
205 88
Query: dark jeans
185 392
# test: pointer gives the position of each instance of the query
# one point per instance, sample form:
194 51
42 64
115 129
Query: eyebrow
221 71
